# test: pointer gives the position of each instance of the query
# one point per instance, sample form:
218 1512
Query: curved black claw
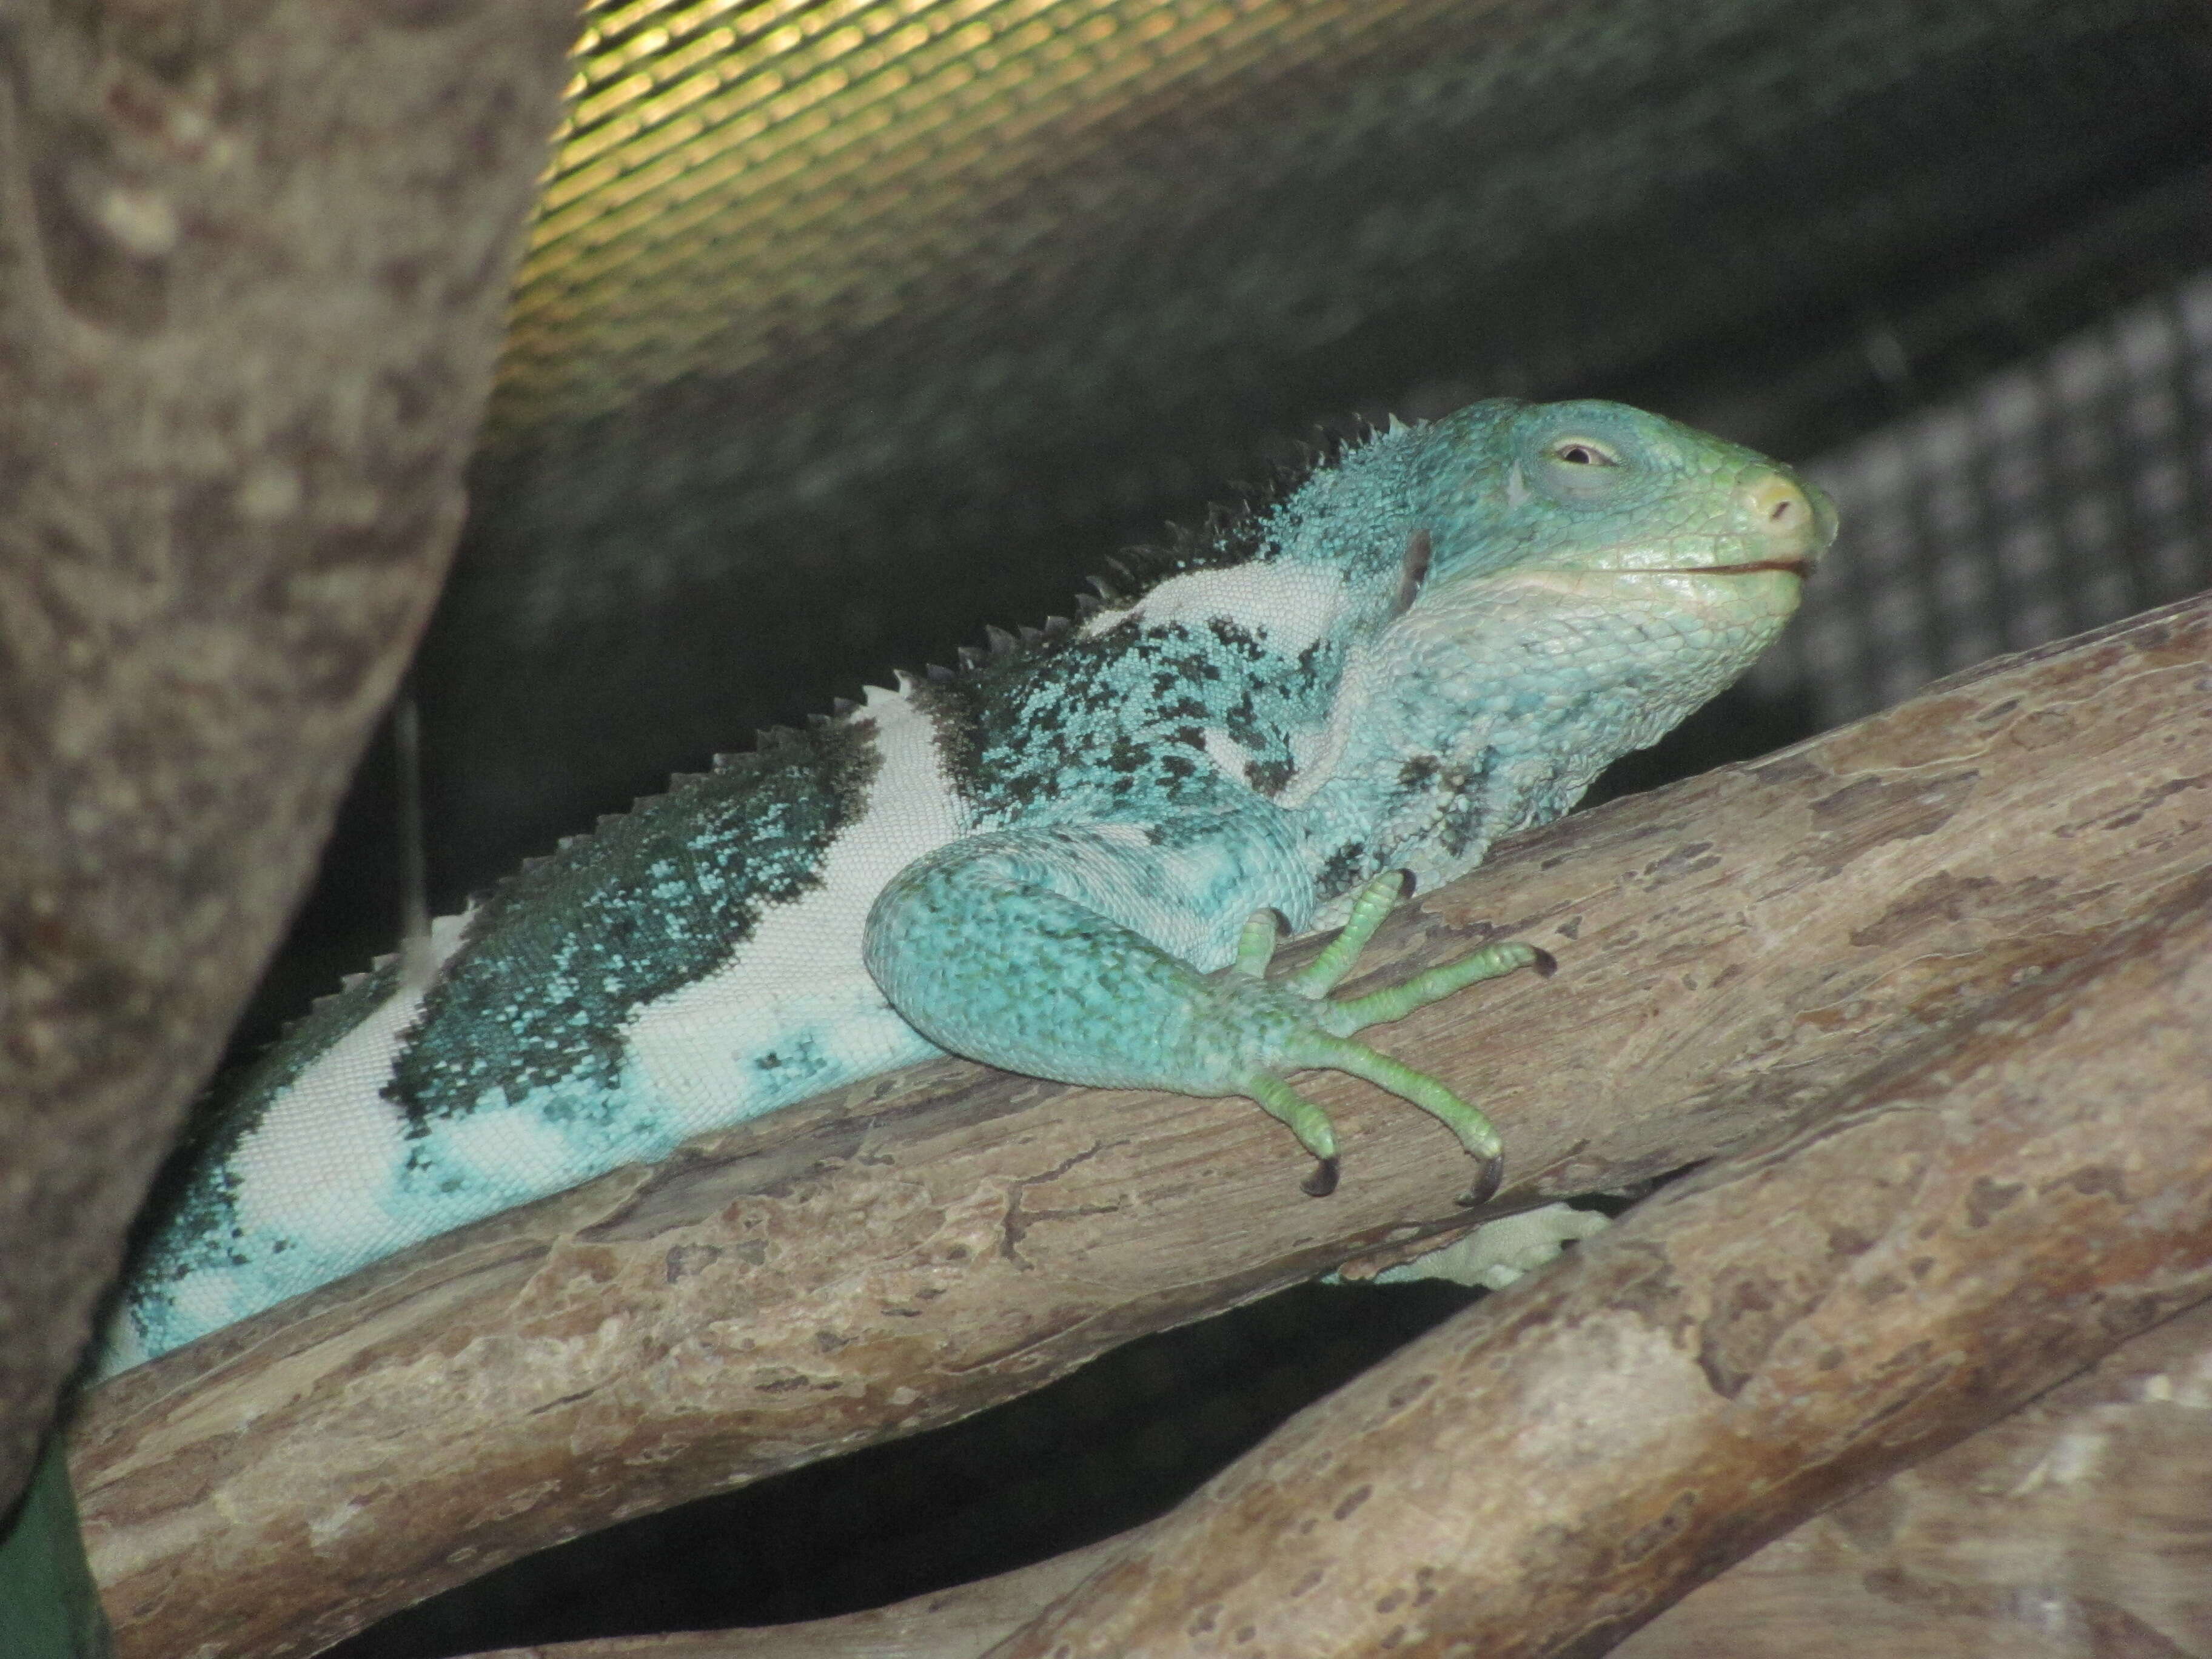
1545 963
1322 1181
1485 1184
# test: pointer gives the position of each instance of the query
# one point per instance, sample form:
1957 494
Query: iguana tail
49 1605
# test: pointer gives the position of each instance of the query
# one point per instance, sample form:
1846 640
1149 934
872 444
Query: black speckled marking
194 1196
1120 718
1463 815
559 955
800 1056
1343 870
1418 772
955 716
1016 705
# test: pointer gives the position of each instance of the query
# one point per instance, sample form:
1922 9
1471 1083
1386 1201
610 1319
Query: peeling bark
253 261
1735 952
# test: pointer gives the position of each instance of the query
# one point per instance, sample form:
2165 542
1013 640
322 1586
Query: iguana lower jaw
1746 591
1801 569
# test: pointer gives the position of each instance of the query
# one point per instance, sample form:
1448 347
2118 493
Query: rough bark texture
1734 950
1544 1473
253 263
2074 1526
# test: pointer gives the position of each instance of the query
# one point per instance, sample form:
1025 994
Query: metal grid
2068 492
734 179
729 168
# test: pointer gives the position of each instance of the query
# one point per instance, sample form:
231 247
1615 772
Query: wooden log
887 1260
1540 1475
2075 1525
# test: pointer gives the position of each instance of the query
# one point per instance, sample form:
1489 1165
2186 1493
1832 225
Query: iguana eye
1581 451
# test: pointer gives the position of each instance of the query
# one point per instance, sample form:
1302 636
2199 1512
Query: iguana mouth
1801 569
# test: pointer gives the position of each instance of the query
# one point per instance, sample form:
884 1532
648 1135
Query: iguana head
1601 488
1572 579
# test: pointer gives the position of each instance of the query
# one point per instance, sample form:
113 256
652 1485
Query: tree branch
252 264
1734 949
2069 1525
2073 1525
1546 1471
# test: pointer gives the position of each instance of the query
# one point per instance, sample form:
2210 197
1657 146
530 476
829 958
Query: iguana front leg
1047 952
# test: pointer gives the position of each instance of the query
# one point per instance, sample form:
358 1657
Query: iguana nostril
1778 507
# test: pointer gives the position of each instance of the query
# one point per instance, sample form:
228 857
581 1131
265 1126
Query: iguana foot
1325 1043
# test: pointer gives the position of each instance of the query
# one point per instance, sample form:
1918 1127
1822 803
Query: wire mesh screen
2072 490
735 181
